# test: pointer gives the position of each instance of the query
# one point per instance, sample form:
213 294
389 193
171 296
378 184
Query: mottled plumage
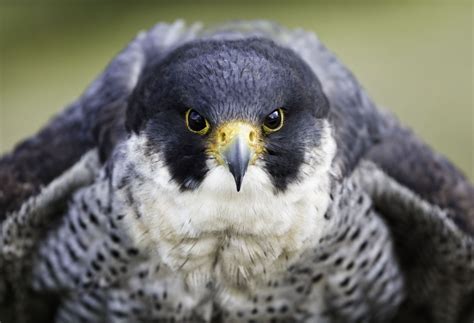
140 220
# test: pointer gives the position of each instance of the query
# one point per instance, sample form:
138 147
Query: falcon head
233 148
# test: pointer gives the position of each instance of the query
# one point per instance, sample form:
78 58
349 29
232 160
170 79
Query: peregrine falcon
232 174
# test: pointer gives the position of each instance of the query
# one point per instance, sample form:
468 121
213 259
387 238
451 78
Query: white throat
215 233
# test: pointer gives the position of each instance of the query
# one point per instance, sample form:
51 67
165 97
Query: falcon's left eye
274 121
196 123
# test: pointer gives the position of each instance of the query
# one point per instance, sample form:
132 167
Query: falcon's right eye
196 123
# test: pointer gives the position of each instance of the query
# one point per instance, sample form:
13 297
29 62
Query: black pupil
196 121
273 120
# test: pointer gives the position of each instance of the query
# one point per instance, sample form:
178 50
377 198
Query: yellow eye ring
274 121
196 123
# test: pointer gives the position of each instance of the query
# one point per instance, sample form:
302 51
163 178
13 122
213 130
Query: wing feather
435 254
406 158
364 131
425 199
94 120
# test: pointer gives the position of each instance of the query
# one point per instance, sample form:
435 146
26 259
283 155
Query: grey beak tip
238 184
237 159
237 177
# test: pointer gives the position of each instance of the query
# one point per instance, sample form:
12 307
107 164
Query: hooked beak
237 144
237 156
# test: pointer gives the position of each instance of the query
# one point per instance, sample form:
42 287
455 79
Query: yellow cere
228 132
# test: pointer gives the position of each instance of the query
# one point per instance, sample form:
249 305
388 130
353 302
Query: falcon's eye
196 122
274 121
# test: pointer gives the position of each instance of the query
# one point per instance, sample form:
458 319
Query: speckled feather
427 258
350 276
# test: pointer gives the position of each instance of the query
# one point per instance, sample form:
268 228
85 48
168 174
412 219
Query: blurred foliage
413 57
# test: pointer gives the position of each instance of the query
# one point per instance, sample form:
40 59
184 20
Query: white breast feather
217 233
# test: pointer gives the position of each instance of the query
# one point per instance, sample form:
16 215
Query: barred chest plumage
162 235
103 256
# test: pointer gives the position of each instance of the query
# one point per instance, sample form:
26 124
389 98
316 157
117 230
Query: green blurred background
413 57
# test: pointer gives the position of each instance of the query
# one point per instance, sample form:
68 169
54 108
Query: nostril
222 137
252 136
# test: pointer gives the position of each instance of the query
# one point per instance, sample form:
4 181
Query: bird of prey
237 173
